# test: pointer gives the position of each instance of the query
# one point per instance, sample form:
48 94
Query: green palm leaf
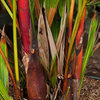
3 92
47 4
54 3
89 48
3 67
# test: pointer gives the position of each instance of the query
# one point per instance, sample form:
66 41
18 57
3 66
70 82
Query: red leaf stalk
81 28
25 24
74 65
79 64
78 40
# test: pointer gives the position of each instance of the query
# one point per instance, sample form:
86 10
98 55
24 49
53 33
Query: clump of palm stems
51 34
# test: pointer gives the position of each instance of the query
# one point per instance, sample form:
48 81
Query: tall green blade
3 67
89 48
61 7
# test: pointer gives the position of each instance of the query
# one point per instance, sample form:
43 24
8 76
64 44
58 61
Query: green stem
79 5
15 43
7 8
67 93
74 32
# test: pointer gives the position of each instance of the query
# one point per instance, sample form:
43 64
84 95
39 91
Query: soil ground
91 83
90 89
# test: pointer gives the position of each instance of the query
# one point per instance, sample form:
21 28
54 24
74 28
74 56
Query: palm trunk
36 87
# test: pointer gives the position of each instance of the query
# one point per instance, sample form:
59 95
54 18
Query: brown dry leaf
51 40
61 59
42 41
60 45
7 40
59 40
57 88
